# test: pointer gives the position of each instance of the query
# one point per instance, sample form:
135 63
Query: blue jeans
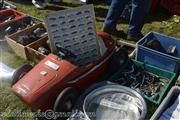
137 17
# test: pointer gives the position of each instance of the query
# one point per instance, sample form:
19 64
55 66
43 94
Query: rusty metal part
144 82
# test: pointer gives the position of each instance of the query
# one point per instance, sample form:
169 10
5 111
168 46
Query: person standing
137 19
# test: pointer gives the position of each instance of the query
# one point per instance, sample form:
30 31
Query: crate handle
145 41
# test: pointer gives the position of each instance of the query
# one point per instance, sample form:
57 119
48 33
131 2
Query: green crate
162 73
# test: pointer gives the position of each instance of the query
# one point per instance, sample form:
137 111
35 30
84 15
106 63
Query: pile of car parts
19 23
38 49
31 37
144 82
25 23
19 41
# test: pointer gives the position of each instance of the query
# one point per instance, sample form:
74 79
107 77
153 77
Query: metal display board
74 30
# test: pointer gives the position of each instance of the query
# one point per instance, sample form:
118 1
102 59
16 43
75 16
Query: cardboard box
18 48
32 50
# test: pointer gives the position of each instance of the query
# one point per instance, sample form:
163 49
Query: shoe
38 4
114 31
135 38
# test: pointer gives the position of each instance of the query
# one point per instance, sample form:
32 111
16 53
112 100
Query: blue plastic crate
156 58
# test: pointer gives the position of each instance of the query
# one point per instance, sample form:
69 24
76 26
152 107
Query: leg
137 18
114 12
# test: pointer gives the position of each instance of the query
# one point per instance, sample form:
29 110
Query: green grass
159 21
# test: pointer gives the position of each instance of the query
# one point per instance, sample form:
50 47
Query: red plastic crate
8 12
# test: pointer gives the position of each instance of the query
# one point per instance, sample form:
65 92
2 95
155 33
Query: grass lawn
160 21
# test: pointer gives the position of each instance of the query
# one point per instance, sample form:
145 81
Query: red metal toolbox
10 15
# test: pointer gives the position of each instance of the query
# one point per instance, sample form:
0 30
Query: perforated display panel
74 30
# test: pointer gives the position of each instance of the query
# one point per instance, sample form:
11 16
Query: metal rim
115 88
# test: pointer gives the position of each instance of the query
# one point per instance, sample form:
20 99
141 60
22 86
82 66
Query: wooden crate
18 48
32 50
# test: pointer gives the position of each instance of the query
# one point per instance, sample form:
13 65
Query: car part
119 57
114 102
11 75
43 50
25 39
65 101
6 73
154 44
80 100
39 32
17 26
53 74
32 36
9 30
20 72
145 83
7 18
64 53
178 81
172 50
